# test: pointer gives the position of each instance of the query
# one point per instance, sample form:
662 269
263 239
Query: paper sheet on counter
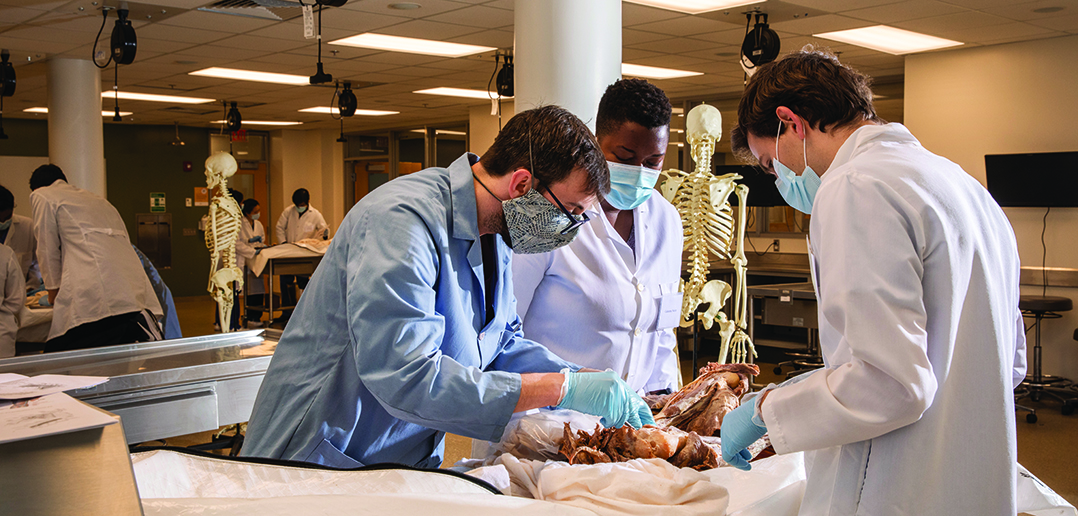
45 384
47 415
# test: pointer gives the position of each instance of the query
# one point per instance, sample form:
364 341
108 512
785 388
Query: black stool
1038 384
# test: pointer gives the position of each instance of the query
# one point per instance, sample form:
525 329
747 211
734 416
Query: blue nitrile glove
739 430
258 250
605 395
43 301
254 239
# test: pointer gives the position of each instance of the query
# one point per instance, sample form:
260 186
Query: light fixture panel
654 72
127 95
459 92
889 39
252 75
694 6
410 45
327 110
261 122
103 112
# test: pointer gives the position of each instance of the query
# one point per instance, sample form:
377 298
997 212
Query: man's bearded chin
496 222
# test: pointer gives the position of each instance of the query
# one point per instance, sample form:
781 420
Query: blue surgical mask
798 191
301 209
630 185
6 224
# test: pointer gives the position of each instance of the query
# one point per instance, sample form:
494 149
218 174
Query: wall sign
157 202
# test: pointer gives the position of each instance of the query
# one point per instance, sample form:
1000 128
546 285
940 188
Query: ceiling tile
725 37
477 16
356 22
635 14
903 11
683 26
1064 23
487 38
996 33
636 37
429 8
13 15
218 22
249 42
427 30
678 45
985 4
629 54
185 34
834 6
1025 11
817 24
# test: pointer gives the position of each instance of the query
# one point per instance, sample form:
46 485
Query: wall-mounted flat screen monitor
762 190
1033 180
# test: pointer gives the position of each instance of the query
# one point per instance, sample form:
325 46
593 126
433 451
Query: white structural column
566 53
76 140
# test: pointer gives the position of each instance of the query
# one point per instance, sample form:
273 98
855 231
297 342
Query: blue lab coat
387 349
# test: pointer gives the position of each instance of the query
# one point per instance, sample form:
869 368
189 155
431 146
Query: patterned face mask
536 225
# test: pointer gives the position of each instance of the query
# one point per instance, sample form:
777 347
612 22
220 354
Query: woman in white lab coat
12 296
252 238
94 278
17 232
597 301
916 275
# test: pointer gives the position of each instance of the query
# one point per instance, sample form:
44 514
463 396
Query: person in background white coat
17 232
598 301
298 222
12 296
916 274
94 278
252 238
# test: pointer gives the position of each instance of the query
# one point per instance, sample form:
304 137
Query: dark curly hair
632 100
812 83
553 141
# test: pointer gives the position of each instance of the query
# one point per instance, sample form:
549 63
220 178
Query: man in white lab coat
17 232
597 301
916 274
94 278
12 296
298 222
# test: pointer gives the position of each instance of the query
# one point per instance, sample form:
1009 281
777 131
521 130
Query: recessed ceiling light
654 72
334 111
442 131
128 95
410 45
260 122
694 6
677 111
404 6
889 39
251 75
458 92
46 110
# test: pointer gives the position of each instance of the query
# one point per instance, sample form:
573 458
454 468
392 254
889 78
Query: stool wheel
778 370
1031 418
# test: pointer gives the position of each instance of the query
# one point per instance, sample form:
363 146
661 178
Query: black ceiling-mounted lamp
123 46
233 120
505 77
761 44
178 142
7 85
346 101
320 76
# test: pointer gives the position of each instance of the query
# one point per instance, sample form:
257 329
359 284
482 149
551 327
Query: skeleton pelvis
716 293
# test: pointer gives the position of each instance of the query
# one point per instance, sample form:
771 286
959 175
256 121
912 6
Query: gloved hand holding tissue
606 395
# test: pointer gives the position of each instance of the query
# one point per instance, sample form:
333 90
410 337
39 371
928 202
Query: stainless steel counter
167 388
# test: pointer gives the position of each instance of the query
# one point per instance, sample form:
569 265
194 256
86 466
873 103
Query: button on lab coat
291 227
20 238
12 296
388 347
246 251
84 250
594 303
916 271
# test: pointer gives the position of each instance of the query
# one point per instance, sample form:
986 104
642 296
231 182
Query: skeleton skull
704 123
219 166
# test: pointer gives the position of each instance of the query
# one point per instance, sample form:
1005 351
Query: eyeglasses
573 221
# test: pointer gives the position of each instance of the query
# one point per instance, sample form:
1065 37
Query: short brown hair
812 83
553 141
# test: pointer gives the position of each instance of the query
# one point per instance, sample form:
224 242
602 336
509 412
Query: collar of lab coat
462 198
856 143
602 226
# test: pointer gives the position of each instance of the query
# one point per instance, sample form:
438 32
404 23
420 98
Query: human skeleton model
703 202
221 233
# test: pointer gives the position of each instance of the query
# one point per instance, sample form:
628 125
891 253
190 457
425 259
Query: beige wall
307 159
483 127
1011 98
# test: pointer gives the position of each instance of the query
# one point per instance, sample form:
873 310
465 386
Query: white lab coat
84 251
291 227
246 251
12 297
20 238
594 303
916 273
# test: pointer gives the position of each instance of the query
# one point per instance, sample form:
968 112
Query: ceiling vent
277 10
